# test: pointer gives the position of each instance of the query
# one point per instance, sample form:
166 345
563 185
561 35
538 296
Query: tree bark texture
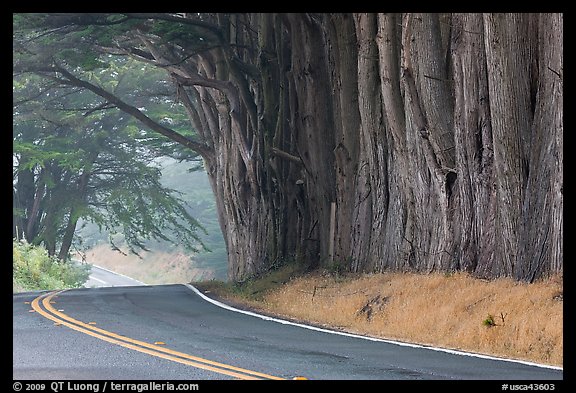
439 138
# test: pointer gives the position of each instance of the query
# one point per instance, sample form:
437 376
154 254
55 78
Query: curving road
101 277
172 332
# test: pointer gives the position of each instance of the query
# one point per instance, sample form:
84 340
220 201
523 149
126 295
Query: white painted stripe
109 271
118 274
97 279
400 343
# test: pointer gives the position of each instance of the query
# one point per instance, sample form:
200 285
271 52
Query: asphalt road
170 332
100 277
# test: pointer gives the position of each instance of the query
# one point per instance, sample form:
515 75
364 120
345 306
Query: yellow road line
147 345
141 346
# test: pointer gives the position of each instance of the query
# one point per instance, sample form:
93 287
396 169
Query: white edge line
97 279
119 274
400 343
111 271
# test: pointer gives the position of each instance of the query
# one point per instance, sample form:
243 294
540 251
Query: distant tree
76 158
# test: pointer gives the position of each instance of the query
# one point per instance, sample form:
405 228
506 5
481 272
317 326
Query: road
100 277
172 332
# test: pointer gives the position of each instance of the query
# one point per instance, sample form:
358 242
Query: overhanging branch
287 156
70 79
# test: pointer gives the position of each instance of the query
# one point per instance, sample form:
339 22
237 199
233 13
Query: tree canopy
75 157
374 142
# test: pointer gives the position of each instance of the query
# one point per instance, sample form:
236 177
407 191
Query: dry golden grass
153 268
442 310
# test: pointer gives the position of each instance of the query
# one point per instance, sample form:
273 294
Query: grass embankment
33 269
155 267
500 317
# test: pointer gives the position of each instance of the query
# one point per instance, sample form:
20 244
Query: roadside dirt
501 318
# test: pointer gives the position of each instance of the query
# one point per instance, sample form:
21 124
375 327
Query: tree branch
178 19
287 156
200 148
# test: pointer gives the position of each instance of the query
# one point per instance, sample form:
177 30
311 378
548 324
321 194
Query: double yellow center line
43 306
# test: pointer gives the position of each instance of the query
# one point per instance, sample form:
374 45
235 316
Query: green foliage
254 288
87 60
33 269
64 135
194 186
489 321
63 138
143 209
180 34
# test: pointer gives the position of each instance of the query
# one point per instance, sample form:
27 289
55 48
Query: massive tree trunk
508 60
424 142
368 222
397 250
475 235
343 61
238 170
313 126
459 191
541 223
